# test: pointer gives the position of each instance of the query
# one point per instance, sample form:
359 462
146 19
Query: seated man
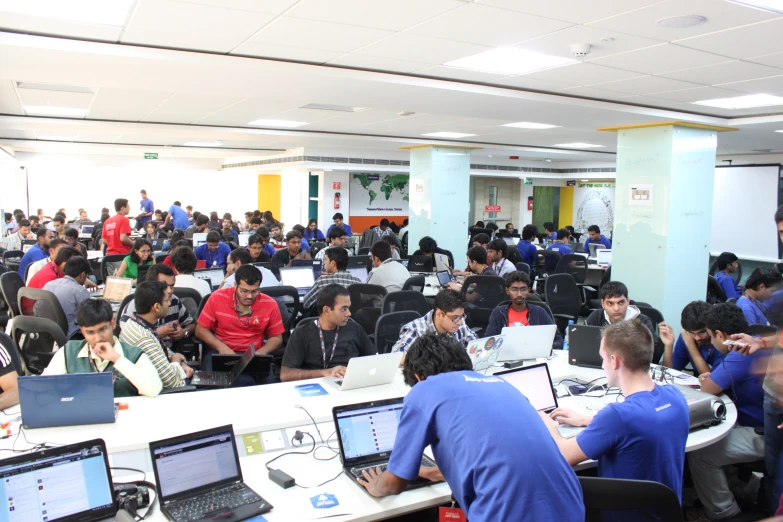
550 231
228 228
69 290
184 261
336 239
151 303
308 354
759 287
58 226
596 238
526 248
293 250
54 247
615 306
38 251
477 265
335 270
391 239
54 269
255 247
198 227
100 351
263 233
479 240
9 387
447 317
694 345
741 376
277 238
727 264
497 252
240 257
521 476
559 245
254 225
428 247
23 233
338 221
520 312
235 318
642 438
214 252
383 229
386 272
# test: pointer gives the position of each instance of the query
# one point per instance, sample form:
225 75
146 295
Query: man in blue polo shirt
596 238
214 251
728 263
759 287
177 216
340 223
526 247
694 345
38 251
642 438
147 208
741 377
560 246
499 466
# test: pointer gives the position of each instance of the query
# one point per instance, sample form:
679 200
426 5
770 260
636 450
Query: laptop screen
604 257
368 431
195 462
243 239
214 276
87 229
199 238
444 278
298 277
359 273
534 383
71 480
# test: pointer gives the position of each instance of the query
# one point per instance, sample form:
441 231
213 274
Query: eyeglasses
248 292
518 289
144 251
455 319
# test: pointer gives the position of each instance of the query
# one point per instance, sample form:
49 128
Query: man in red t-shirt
117 230
52 270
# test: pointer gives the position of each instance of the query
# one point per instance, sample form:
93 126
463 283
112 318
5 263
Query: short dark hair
64 254
725 259
255 238
119 203
481 239
328 296
197 214
692 316
631 341
381 250
92 312
142 191
213 236
479 224
105 216
71 232
275 225
24 223
249 274
201 220
517 277
184 260
335 233
263 232
613 289
549 226
448 301
292 234
391 239
299 228
594 228
240 254
433 354
498 245
340 257
337 215
227 216
177 203
427 245
55 243
529 232
384 222
138 244
176 235
42 233
726 317
268 215
255 221
56 219
148 294
478 255
563 233
779 214
768 277
159 269
76 265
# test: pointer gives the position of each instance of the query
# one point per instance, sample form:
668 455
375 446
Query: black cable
293 452
314 424
322 483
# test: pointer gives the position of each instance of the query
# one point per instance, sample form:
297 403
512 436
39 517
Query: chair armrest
565 316
181 389
587 287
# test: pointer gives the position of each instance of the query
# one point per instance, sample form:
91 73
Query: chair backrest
110 264
513 255
161 256
546 261
416 282
120 311
762 330
387 329
366 301
715 293
405 300
656 317
562 295
523 267
44 304
491 290
190 299
291 297
315 247
623 494
203 303
364 251
36 337
272 267
573 264
10 283
534 300
13 352
12 257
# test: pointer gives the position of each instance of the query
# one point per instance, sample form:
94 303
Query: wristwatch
187 334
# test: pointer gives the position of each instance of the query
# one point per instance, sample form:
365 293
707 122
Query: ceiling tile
696 94
18 134
190 26
451 73
645 85
660 59
282 52
576 11
241 113
50 26
125 104
377 63
188 108
402 46
380 14
559 43
307 115
261 6
9 102
724 73
484 25
743 42
78 100
526 82
773 85
583 73
773 60
594 92
315 34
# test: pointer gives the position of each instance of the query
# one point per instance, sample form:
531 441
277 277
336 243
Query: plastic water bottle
565 342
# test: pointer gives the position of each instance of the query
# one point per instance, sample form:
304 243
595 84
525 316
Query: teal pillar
663 213
440 197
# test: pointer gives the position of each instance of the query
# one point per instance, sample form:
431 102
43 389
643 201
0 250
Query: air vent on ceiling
328 107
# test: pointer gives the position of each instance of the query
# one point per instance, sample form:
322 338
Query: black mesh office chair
715 293
292 301
366 303
523 267
656 317
414 283
405 300
41 303
190 298
315 247
595 302
484 291
10 283
573 264
546 264
513 255
387 329
13 352
203 303
623 494
36 337
161 256
12 258
535 300
272 267
564 299
737 276
120 312
5 313
110 265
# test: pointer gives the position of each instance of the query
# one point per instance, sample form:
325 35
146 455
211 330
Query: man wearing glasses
234 318
448 317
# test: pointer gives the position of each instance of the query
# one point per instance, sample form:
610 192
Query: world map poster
379 194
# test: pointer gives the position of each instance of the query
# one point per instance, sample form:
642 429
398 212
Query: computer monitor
243 238
199 238
298 277
604 257
213 276
360 273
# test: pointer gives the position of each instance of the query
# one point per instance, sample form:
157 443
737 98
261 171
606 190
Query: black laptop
584 342
259 366
366 433
213 379
420 264
199 478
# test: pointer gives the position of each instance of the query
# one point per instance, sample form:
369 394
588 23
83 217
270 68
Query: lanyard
323 348
213 262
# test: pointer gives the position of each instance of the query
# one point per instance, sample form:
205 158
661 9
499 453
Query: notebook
371 370
72 399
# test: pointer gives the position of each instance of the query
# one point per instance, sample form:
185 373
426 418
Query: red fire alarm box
336 185
530 202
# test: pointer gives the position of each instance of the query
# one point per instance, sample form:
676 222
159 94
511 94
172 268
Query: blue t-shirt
753 310
528 252
36 253
603 240
681 358
729 285
217 258
146 205
642 438
179 217
737 374
269 249
309 235
499 466
346 227
561 249
553 236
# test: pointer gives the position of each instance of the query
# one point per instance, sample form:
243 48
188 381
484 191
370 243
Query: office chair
484 291
203 303
10 283
42 303
737 276
189 298
656 317
405 300
535 300
715 293
36 337
404 245
12 258
416 283
120 312
573 264
315 247
596 302
110 264
522 267
513 255
387 329
292 300
624 494
364 251
546 264
366 301
161 256
564 299
13 352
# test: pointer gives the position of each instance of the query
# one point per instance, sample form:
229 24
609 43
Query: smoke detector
579 50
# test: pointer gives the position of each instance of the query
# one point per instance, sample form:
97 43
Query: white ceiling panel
594 92
41 25
697 94
190 26
484 25
18 134
283 52
773 85
379 64
77 100
402 46
661 59
308 115
261 6
719 13
583 73
724 72
9 102
125 104
527 82
380 14
743 42
315 34
576 11
773 60
188 108
441 71
242 113
350 120
559 43
645 85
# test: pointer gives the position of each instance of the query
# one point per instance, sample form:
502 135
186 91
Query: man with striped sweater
9 389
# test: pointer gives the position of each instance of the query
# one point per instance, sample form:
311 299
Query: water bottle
565 342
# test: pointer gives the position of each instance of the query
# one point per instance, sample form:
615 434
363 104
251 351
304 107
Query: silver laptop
484 353
213 276
300 277
359 273
604 257
594 248
442 263
527 342
371 370
243 238
199 238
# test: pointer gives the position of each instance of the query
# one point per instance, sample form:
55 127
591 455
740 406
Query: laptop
360 273
315 264
528 342
243 238
366 434
442 263
300 277
360 261
199 238
27 244
444 278
74 483
258 366
115 289
214 380
485 352
420 264
157 244
604 257
594 248
75 399
199 478
86 231
371 370
213 276
535 383
584 342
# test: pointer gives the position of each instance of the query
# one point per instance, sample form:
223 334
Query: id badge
451 514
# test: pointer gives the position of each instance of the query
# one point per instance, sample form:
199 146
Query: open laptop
366 434
444 278
604 257
300 277
528 342
199 478
243 238
420 264
86 231
115 289
359 273
27 244
442 263
199 238
74 399
594 248
584 342
360 261
207 379
535 383
258 366
371 370
157 244
74 484
485 352
213 276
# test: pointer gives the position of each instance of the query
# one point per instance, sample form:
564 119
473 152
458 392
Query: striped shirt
177 312
341 278
6 363
424 325
321 253
142 337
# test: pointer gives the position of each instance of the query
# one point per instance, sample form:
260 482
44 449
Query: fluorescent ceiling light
213 143
682 22
327 107
743 102
102 12
52 137
578 145
278 123
54 87
585 180
509 60
51 110
779 131
775 6
447 135
530 125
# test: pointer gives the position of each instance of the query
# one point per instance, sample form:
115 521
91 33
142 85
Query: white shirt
390 275
35 267
267 279
191 281
503 267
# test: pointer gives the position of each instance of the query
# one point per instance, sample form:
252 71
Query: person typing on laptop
509 470
99 351
447 317
322 348
214 251
616 307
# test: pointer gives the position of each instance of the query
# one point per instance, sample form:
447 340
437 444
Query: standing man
214 252
38 251
339 223
117 230
728 263
147 208
177 216
596 238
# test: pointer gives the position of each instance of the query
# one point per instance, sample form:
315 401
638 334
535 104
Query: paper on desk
323 505
310 390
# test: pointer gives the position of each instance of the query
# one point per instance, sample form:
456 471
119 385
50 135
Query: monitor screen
604 257
444 278
27 247
359 273
243 238
214 276
534 383
369 431
298 277
199 238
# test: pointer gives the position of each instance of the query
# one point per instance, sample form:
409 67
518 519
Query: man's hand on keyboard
369 479
431 474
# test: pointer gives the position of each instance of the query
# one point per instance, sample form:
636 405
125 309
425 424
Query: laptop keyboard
212 502
357 472
219 378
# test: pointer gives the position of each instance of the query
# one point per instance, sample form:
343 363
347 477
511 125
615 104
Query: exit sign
492 208
150 155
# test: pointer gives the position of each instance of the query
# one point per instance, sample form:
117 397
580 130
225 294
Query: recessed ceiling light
578 145
681 22
60 137
99 12
448 135
779 131
775 6
743 102
213 143
327 107
51 110
530 125
509 60
585 180
54 87
278 123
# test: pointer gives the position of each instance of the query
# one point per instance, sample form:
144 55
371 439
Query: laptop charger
281 478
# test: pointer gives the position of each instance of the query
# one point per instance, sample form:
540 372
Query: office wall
327 191
509 199
269 193
14 192
566 215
